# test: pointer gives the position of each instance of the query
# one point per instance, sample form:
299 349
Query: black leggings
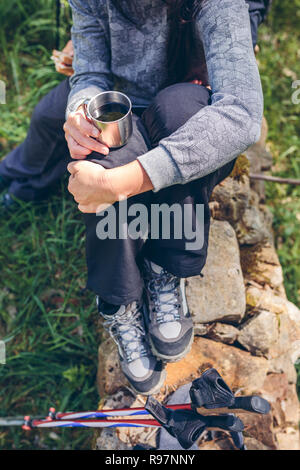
114 264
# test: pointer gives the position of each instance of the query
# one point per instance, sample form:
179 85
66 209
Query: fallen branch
275 179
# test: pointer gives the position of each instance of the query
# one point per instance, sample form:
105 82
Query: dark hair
184 52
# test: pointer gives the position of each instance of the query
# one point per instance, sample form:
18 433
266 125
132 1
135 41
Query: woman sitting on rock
164 55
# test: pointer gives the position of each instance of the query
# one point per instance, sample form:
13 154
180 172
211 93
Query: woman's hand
64 60
69 49
78 133
91 187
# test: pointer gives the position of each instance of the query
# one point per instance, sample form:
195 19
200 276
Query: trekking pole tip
27 426
52 414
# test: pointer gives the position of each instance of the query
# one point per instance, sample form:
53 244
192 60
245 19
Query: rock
252 228
283 364
260 428
268 220
290 406
108 440
220 295
275 390
119 400
217 331
230 199
289 439
285 409
234 202
224 333
110 378
217 444
260 160
260 263
288 340
266 299
259 334
133 436
227 444
202 329
238 368
253 444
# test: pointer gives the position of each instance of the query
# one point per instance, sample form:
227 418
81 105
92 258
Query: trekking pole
28 424
109 413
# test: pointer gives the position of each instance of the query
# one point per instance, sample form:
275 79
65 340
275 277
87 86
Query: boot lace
127 330
163 289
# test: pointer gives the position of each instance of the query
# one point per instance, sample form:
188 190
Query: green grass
48 322
280 67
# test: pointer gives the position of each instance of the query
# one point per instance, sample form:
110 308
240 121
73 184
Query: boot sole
172 359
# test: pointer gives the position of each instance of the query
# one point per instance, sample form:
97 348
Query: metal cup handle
85 105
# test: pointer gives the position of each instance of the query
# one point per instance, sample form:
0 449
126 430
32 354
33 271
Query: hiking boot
169 323
127 328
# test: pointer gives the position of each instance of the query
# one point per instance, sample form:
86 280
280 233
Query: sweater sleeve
92 52
220 132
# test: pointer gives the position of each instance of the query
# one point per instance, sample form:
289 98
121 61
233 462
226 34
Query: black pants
114 264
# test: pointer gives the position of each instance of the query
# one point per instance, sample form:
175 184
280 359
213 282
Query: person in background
31 170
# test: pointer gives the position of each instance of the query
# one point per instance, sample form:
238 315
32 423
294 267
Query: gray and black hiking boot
169 323
126 326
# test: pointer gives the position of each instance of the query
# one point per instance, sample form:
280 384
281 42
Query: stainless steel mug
114 134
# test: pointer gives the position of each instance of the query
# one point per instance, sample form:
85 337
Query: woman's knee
173 107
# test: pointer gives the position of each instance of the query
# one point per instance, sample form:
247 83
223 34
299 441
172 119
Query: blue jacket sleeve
90 37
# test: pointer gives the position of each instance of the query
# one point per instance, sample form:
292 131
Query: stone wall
245 326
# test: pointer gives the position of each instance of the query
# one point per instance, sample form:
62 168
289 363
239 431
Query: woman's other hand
81 136
91 187
94 188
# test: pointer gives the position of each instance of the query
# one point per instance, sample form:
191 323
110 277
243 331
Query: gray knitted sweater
113 53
